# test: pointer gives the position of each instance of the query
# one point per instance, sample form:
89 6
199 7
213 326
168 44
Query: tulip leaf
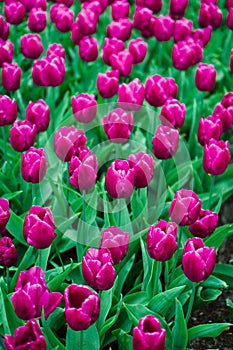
123 273
124 340
51 340
179 331
105 305
89 338
219 235
214 282
56 282
208 330
136 298
147 265
110 321
11 195
15 227
225 272
206 295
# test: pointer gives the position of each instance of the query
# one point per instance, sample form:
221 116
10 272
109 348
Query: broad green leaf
179 331
110 322
147 265
56 282
123 273
105 305
52 340
219 235
207 330
136 298
12 195
214 282
15 227
224 272
124 340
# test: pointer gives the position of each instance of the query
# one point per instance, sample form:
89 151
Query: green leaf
219 235
214 282
105 305
124 340
15 227
179 331
43 259
224 272
51 340
56 282
109 322
12 195
147 265
136 298
123 272
207 330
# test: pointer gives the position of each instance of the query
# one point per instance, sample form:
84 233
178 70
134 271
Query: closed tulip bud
185 207
123 62
14 12
120 30
143 166
97 268
4 213
149 334
22 135
67 140
165 142
163 28
203 35
182 29
39 228
209 128
111 46
62 17
87 21
68 3
116 241
84 108
205 225
28 336
4 29
153 5
120 179
138 49
94 6
210 14
225 115
82 307
8 252
131 96
32 295
76 35
49 71
6 51
38 114
8 110
198 261
120 9
227 100
37 20
118 125
31 46
34 165
229 4
216 157
11 75
178 8
205 78
229 20
159 89
186 54
88 49
173 113
30 4
56 50
143 21
107 84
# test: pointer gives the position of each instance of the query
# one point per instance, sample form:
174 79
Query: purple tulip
4 213
30 4
186 53
14 12
8 252
203 35
95 6
149 335
161 240
32 295
119 10
68 3
8 110
173 113
143 21
165 142
62 17
82 307
38 114
185 207
229 4
107 83
34 165
31 46
49 71
205 225
210 14
216 157
116 241
178 8
56 50
123 62
118 125
209 128
138 49
76 35
153 5
11 75
131 95
158 89
97 268
119 179
120 29
225 115
205 78
227 100
198 261
39 227
143 166
37 20
84 108
111 46
163 28
182 29
22 135
25 337
6 51
88 49
229 20
87 21
4 29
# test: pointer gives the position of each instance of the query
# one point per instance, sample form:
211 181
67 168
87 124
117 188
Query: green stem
176 257
59 257
7 279
81 340
4 137
211 190
157 275
40 257
166 273
191 300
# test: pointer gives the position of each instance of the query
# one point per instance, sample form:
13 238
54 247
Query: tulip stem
40 257
191 300
7 280
176 256
211 190
81 340
4 137
157 265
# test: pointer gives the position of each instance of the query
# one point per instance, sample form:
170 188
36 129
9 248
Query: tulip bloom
209 128
62 17
8 110
8 252
205 78
87 21
34 165
165 142
173 113
159 89
38 114
138 49
205 225
229 20
22 135
120 9
56 50
224 114
4 29
178 8
143 166
88 49
202 35
120 30
31 46
4 213
14 12
185 207
153 5
84 108
37 20
49 71
82 307
210 14
123 62
143 21
76 35
186 53
149 334
111 46
11 75
182 29
6 51
216 157
163 28
131 96
107 84
118 125
198 261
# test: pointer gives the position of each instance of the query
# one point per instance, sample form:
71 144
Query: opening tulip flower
4 213
118 125
205 225
143 166
34 165
165 142
8 252
216 157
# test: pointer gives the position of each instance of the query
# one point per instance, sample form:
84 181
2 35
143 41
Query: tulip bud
88 49
185 207
107 84
4 29
4 213
14 12
118 125
8 252
34 165
32 295
28 336
209 128
227 100
131 96
31 46
205 78
138 49
8 110
120 30
82 307
182 29
119 179
143 166
203 35
6 51
186 54
205 225
97 268
119 10
229 20
149 334
68 3
153 5
178 8
38 113
161 240
37 20
123 62
62 17
11 75
56 50
159 89
165 142
116 241
216 157
225 115
210 14
229 4
22 135
49 71
163 28
173 113
198 261
76 35
84 108
111 46
87 21
143 21
95 6
30 4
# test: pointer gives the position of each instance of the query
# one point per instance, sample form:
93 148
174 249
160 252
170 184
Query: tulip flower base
115 118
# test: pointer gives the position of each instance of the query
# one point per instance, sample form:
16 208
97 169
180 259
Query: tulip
161 240
205 225
185 207
38 114
143 21
8 110
143 166
118 125
123 62
25 337
49 71
163 28
205 78
76 35
62 17
119 179
107 84
68 3
229 4
8 252
165 142
82 307
37 20
14 12
216 157
120 30
6 51
4 29
138 49
227 100
198 261
209 128
186 53
203 35
182 29
149 334
56 50
11 75
4 213
88 49
131 96
111 46
30 4
67 140
87 21
22 135
210 14
31 46
178 8
84 108
225 115
97 268
32 295
173 113
153 5
229 20
119 10
159 89
95 6
34 165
